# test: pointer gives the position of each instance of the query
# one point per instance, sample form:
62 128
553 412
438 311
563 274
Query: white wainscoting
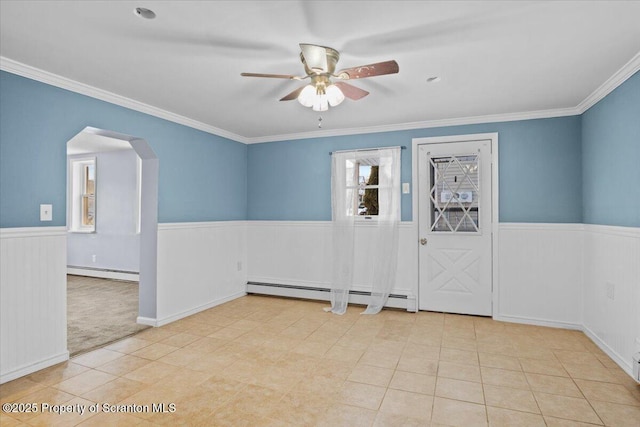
33 305
298 253
612 290
200 265
539 279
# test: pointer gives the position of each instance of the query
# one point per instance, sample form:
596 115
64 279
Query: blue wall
540 171
202 176
611 157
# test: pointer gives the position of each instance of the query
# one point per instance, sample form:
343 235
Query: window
82 200
370 188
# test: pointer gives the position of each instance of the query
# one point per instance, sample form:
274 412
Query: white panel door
455 252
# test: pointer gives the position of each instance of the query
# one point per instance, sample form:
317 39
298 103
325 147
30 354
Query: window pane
88 210
454 194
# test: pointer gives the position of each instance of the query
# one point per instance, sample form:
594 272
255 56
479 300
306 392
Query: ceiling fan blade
293 95
272 76
371 70
315 57
351 91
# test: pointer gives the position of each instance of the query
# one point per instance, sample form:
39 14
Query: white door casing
456 215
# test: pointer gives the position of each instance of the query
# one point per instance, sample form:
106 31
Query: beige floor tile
456 413
155 351
71 418
416 383
421 351
606 392
571 408
343 354
13 390
123 365
545 367
180 340
418 365
503 377
228 333
84 382
500 417
57 373
559 422
180 357
384 419
492 360
152 372
129 345
362 395
459 343
459 356
114 391
581 357
371 375
347 416
115 420
157 334
8 421
459 390
553 385
299 410
617 415
459 371
404 403
382 359
96 358
48 395
510 398
591 371
206 345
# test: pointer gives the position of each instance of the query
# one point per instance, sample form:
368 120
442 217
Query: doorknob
423 241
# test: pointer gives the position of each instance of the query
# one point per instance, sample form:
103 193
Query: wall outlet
611 290
93 258
46 212
405 188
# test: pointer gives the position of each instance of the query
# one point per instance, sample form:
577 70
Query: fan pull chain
320 122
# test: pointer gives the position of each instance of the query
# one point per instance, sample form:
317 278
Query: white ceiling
493 57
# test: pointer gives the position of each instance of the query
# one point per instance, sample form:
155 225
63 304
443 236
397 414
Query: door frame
495 205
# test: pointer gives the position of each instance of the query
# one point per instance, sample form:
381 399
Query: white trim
495 204
538 322
633 232
191 225
104 274
317 284
570 226
33 367
40 75
607 87
21 232
624 364
619 77
166 320
286 223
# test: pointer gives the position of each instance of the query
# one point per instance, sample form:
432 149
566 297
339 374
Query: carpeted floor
99 311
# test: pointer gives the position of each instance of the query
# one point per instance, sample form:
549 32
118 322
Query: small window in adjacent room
82 200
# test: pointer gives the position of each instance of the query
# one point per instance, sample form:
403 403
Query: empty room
324 213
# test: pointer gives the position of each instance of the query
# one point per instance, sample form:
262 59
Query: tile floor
259 361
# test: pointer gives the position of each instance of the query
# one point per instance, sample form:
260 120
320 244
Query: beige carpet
99 311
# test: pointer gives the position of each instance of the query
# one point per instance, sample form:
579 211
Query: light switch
46 212
405 188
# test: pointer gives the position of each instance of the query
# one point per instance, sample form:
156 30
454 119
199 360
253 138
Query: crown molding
492 118
620 76
34 73
15 67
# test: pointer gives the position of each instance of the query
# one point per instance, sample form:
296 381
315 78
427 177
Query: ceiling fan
319 65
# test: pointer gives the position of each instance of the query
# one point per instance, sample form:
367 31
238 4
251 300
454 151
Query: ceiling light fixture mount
144 13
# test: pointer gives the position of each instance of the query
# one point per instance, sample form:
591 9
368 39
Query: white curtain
382 230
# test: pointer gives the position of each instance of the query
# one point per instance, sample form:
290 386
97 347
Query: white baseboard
166 320
538 322
104 274
33 367
624 364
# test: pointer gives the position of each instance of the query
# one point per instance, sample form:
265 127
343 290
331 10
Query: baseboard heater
103 273
407 302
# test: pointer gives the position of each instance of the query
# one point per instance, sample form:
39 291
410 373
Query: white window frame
76 192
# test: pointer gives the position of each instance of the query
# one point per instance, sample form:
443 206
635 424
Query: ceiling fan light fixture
144 13
320 103
334 95
307 96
